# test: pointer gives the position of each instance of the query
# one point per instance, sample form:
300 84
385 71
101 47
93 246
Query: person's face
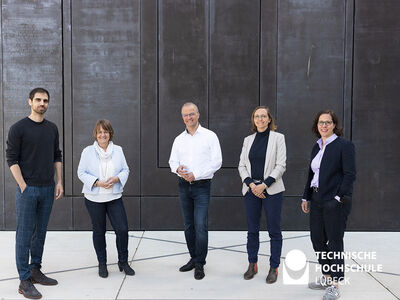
261 119
190 116
39 103
102 136
325 125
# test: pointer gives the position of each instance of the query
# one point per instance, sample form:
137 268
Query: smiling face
325 126
102 137
190 116
39 103
261 119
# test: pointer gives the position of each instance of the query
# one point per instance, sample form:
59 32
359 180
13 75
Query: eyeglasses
260 117
327 123
189 115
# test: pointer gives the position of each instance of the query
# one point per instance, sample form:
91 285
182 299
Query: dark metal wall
136 62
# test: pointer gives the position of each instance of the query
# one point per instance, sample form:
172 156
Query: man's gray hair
191 104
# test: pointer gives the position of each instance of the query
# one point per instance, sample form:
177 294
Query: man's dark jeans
33 208
194 199
116 214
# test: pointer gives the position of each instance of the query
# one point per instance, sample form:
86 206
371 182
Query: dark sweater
34 146
257 154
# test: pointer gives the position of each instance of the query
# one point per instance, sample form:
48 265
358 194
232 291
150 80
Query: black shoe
38 277
272 275
251 271
188 267
29 291
126 268
103 272
199 272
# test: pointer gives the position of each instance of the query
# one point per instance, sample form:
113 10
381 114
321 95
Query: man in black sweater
33 154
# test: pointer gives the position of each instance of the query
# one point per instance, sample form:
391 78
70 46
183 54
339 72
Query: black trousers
115 211
327 225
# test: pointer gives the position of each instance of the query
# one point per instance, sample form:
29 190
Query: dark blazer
337 172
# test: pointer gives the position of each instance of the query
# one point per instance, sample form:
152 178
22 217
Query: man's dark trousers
195 199
33 208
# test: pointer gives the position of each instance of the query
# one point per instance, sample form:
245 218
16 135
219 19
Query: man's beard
40 111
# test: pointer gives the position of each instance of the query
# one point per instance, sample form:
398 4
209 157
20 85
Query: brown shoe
251 271
272 275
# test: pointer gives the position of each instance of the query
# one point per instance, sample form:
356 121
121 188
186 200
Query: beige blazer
275 161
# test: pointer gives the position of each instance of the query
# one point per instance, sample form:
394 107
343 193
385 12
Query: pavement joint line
182 253
388 273
261 242
211 248
377 280
224 247
134 253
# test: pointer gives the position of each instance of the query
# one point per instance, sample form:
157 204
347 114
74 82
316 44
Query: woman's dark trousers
327 225
272 205
115 211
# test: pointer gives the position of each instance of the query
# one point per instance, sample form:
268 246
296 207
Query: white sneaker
321 284
332 293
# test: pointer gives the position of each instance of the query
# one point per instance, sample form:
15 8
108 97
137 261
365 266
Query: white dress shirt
200 153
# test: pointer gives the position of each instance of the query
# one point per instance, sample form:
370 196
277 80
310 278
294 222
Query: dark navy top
257 155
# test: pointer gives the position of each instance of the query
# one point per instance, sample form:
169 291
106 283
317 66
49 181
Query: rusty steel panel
182 67
376 111
105 79
32 57
310 77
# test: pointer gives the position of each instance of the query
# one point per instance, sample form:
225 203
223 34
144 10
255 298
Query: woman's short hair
338 130
272 126
106 125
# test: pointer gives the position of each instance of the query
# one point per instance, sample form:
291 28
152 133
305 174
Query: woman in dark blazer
327 196
262 164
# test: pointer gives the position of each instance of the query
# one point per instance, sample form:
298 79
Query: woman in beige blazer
262 164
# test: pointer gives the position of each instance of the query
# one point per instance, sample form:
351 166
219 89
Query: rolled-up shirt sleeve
174 157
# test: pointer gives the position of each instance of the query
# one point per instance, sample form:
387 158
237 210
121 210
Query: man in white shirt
195 157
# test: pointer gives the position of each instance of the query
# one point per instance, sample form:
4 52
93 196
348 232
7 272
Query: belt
196 181
315 189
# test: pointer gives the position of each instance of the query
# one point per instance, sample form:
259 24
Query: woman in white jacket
262 164
104 172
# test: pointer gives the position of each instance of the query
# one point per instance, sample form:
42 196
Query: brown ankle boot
251 271
272 275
